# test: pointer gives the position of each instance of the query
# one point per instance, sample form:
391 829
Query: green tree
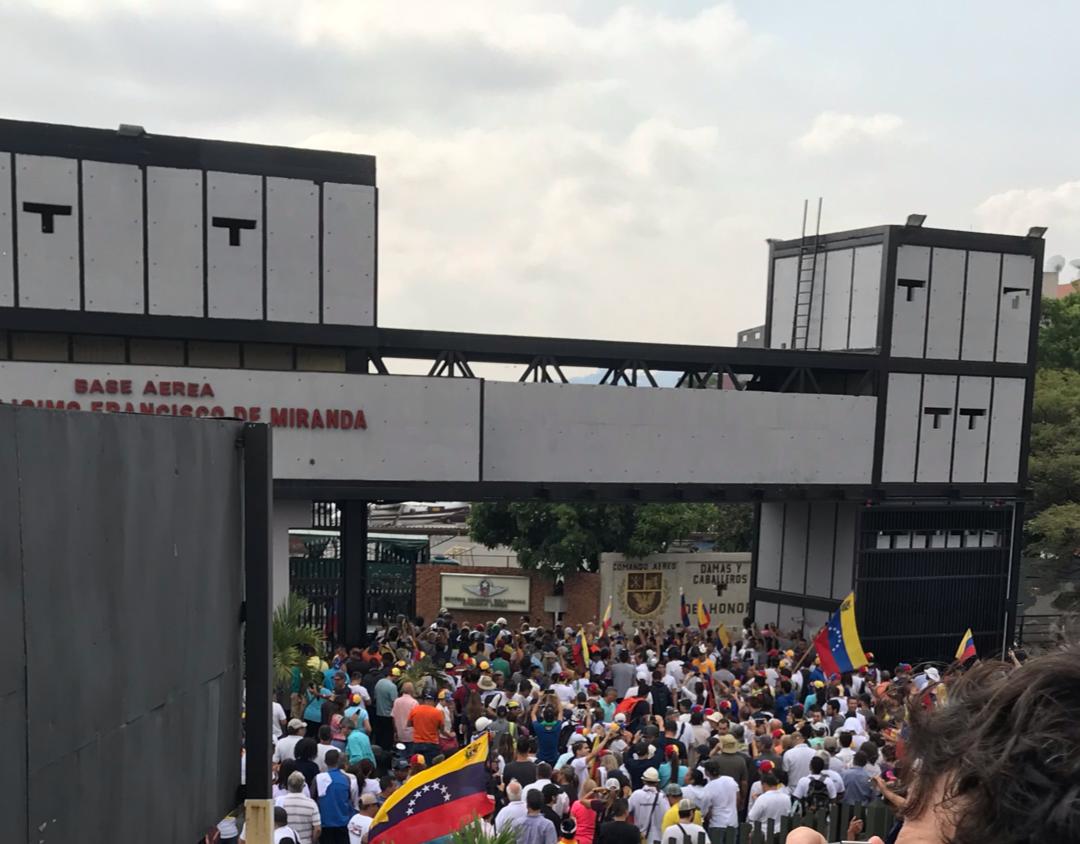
1059 333
562 538
290 637
1052 530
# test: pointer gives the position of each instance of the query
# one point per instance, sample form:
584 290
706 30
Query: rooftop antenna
1056 263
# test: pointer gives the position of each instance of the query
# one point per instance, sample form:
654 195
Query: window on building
320 359
214 354
267 356
38 346
166 352
86 348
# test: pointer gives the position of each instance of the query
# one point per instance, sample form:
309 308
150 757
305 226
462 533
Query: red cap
765 765
696 708
709 712
777 734
593 688
416 759
725 704
671 750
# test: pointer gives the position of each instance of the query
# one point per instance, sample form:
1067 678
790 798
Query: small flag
684 611
437 801
723 636
606 623
967 647
581 649
704 620
837 644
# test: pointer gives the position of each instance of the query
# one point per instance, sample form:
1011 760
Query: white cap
620 718
576 738
500 620
613 784
482 723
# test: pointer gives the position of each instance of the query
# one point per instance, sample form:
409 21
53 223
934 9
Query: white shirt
804 785
510 813
283 833
695 794
322 782
797 762
674 669
277 717
648 805
679 832
845 755
286 748
644 673
562 802
565 692
771 805
837 780
720 803
358 827
320 755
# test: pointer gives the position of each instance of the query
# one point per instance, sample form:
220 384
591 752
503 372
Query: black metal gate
386 586
915 565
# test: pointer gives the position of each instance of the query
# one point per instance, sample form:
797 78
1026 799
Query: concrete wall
288 514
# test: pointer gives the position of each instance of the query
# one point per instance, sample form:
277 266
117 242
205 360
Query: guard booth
882 428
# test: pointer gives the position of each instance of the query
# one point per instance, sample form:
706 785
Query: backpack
817 797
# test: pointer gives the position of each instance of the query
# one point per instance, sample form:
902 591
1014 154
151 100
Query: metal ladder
804 285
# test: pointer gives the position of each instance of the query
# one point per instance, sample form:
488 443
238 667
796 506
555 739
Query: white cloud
831 131
1057 208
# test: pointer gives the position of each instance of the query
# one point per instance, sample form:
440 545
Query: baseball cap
366 799
500 620
484 665
482 723
672 790
429 694
776 734
765 765
356 698
620 718
513 705
444 694
400 764
417 759
686 806
395 672
713 717
819 684
297 724
568 828
613 785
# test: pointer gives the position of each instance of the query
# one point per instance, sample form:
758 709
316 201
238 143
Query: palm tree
473 833
291 637
423 671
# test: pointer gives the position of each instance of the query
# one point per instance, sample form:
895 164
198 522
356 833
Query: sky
592 168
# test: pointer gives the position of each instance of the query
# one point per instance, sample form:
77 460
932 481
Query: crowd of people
613 736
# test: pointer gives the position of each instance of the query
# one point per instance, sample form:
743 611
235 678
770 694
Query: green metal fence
877 820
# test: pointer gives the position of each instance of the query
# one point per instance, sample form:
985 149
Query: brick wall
581 592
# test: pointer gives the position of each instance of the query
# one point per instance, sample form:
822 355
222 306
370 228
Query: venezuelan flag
704 620
723 635
967 647
838 646
684 611
606 623
437 801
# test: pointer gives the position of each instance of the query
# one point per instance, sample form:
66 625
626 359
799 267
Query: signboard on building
647 590
484 592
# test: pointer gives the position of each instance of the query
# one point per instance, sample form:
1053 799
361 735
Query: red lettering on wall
150 389
278 417
332 419
80 385
146 407
361 420
316 419
206 390
254 414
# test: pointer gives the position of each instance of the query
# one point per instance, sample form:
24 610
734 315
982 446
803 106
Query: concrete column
288 513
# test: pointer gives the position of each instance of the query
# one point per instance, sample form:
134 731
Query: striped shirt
303 814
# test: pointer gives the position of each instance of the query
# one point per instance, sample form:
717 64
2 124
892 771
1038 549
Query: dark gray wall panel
768 550
793 560
844 564
12 643
819 557
135 561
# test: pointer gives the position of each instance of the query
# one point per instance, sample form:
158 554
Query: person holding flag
966 650
437 801
704 620
684 611
838 647
605 624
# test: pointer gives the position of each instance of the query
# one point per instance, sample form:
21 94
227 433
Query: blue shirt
664 770
858 787
386 693
358 746
782 704
335 805
313 710
547 741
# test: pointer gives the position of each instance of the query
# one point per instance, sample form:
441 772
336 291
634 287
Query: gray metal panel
909 302
13 774
837 299
7 235
819 559
980 305
901 428
793 561
946 304
843 580
765 612
1014 314
817 302
234 271
174 218
582 433
1003 458
785 272
936 432
768 549
48 261
134 559
292 250
348 254
112 237
865 294
969 449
